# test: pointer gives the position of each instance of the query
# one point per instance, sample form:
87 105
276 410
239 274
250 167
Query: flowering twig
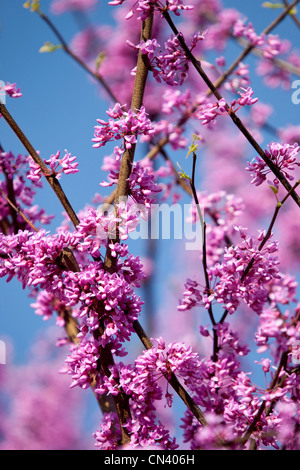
52 180
16 210
236 120
11 196
123 191
265 238
204 257
274 383
249 47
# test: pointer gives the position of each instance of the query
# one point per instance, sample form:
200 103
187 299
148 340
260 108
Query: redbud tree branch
123 191
204 257
236 120
251 48
52 180
265 238
213 87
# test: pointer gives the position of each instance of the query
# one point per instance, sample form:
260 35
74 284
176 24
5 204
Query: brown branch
204 257
293 16
251 48
236 120
164 140
122 189
82 64
52 180
16 211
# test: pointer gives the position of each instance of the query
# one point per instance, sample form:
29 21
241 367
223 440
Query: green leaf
49 47
193 147
34 5
183 174
100 59
274 189
293 11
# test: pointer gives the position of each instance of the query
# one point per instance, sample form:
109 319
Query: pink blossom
61 6
66 162
123 124
282 155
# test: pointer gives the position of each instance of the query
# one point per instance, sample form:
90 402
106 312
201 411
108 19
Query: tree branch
66 48
52 180
236 120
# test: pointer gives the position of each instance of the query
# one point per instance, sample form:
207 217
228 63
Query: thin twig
123 191
236 120
52 180
17 210
82 64
204 257
293 16
265 238
164 140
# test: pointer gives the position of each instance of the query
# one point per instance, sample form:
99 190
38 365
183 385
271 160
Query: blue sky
58 111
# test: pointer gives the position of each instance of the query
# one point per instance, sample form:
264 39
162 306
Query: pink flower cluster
144 7
15 185
270 43
208 113
67 164
283 155
61 6
171 65
228 285
122 124
240 28
11 90
142 383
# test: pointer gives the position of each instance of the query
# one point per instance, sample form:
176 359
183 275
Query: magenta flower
67 164
122 125
61 6
282 155
170 65
144 7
